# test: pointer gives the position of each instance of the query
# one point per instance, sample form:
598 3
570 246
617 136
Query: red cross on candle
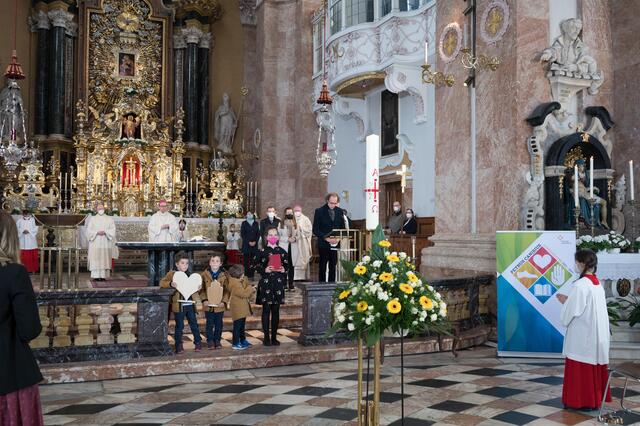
374 190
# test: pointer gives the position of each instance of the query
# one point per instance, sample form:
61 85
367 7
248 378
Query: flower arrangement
610 241
384 292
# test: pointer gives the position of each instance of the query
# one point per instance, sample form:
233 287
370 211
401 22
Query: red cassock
233 257
29 259
584 384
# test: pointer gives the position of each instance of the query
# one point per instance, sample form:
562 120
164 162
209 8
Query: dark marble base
101 352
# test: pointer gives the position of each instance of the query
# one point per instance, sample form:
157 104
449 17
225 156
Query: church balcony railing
356 49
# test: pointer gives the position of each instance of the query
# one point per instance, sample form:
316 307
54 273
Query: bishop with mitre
163 226
101 234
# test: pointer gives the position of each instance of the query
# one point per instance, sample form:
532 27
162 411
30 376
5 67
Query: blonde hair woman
19 324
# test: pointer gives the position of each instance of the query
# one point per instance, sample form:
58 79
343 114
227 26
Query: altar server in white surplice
163 226
27 231
101 233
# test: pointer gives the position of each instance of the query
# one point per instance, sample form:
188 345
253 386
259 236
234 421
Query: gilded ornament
127 21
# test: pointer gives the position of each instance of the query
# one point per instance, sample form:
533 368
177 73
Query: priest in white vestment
101 234
27 231
301 246
163 226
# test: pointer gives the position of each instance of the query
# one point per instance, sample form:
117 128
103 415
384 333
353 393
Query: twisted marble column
60 20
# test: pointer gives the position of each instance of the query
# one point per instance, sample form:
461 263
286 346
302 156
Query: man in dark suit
326 219
250 234
270 221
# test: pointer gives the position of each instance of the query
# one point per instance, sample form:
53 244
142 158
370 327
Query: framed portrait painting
126 64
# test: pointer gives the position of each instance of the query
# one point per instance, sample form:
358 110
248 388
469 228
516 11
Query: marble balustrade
93 325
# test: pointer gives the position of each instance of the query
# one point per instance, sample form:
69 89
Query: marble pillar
203 89
192 38
60 20
625 48
40 25
502 102
286 122
179 46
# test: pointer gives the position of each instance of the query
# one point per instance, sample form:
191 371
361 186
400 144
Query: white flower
377 263
366 259
350 317
437 296
429 288
341 318
387 253
414 311
354 290
402 255
368 320
434 317
370 308
414 322
421 319
374 276
351 327
443 305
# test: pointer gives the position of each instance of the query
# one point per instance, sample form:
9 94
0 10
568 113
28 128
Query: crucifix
130 170
403 173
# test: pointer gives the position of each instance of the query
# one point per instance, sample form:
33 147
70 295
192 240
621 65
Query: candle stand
592 205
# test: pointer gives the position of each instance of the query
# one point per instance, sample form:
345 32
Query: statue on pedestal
600 205
225 125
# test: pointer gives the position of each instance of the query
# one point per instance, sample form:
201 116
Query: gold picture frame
126 64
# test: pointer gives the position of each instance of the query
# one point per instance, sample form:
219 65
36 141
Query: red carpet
119 283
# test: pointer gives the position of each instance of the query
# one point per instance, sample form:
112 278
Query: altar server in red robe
27 231
586 343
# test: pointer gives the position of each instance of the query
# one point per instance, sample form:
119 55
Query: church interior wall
226 65
626 60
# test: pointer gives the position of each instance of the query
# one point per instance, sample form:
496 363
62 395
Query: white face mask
409 215
297 214
396 209
101 211
271 215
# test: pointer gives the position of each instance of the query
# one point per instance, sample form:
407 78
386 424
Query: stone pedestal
126 321
458 254
316 314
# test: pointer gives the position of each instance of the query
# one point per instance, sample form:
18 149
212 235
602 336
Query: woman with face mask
233 245
272 263
250 234
287 233
410 224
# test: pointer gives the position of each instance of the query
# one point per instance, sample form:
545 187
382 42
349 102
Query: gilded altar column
203 89
179 46
60 21
40 25
192 37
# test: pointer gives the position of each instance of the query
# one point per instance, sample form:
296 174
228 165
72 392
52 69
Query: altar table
160 255
615 268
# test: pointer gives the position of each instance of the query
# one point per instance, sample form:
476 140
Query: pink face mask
273 240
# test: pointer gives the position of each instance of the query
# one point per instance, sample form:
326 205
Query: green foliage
384 292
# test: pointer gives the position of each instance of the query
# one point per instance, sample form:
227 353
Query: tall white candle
576 199
64 182
426 53
372 181
591 177
631 187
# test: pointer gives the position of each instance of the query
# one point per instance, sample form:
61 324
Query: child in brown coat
239 305
184 308
214 309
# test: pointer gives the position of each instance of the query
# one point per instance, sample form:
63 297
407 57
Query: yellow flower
384 243
360 270
385 277
344 294
406 288
393 258
426 303
412 277
362 306
394 306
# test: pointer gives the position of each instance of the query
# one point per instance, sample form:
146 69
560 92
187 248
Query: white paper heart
542 261
187 285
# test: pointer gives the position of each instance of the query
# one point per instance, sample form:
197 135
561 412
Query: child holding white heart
182 308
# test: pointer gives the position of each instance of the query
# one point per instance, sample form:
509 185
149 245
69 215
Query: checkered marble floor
475 388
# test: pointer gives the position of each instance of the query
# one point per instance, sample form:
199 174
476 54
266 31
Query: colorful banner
532 268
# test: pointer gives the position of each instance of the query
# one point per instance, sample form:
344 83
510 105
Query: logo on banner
541 272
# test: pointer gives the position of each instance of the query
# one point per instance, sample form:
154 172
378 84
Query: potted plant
617 242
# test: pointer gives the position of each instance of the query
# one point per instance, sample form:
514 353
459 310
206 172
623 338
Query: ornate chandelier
13 134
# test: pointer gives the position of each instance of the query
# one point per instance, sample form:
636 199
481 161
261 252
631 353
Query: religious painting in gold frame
123 56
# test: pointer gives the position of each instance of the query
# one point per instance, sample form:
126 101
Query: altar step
625 341
257 356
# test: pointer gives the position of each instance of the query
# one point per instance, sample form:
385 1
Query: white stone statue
568 55
620 189
533 217
225 125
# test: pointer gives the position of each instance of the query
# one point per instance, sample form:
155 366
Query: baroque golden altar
127 159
